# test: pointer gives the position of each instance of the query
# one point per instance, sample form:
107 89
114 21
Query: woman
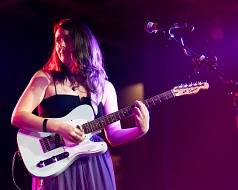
74 75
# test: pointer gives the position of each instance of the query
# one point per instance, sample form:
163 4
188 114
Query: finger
141 108
141 105
137 114
79 130
144 109
79 137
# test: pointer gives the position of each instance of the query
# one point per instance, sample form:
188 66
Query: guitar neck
103 121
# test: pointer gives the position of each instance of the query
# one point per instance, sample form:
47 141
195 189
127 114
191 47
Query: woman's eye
68 39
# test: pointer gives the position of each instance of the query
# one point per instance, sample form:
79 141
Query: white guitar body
32 152
47 155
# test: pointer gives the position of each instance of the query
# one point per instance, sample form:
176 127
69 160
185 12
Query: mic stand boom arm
211 63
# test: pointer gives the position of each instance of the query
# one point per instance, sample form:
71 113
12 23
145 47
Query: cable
13 178
13 161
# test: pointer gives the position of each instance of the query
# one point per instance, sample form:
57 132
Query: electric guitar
46 155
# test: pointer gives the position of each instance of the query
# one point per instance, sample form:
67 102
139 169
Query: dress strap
54 83
55 88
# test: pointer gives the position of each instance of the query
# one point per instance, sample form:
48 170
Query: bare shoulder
109 89
43 73
109 86
42 76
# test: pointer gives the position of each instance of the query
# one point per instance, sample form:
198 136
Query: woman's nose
62 43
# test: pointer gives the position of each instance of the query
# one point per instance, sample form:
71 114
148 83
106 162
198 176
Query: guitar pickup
51 142
52 160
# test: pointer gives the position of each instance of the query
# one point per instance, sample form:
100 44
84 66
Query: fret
117 115
91 126
157 99
146 104
96 125
166 94
103 121
125 112
153 101
108 119
164 97
86 128
113 117
170 94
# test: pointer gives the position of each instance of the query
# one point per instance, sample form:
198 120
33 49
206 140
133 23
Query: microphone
151 27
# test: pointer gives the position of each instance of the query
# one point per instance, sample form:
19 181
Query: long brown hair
87 54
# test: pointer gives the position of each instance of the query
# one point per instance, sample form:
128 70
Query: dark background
192 143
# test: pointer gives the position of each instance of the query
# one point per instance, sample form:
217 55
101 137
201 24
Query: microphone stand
211 63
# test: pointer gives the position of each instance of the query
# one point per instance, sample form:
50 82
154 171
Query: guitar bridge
51 142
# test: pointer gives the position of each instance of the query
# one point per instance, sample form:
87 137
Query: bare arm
32 96
114 133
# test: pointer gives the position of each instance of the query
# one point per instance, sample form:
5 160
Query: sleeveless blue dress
86 173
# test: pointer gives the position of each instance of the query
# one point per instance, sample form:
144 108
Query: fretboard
102 122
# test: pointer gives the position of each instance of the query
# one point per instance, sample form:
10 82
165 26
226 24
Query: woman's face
64 45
